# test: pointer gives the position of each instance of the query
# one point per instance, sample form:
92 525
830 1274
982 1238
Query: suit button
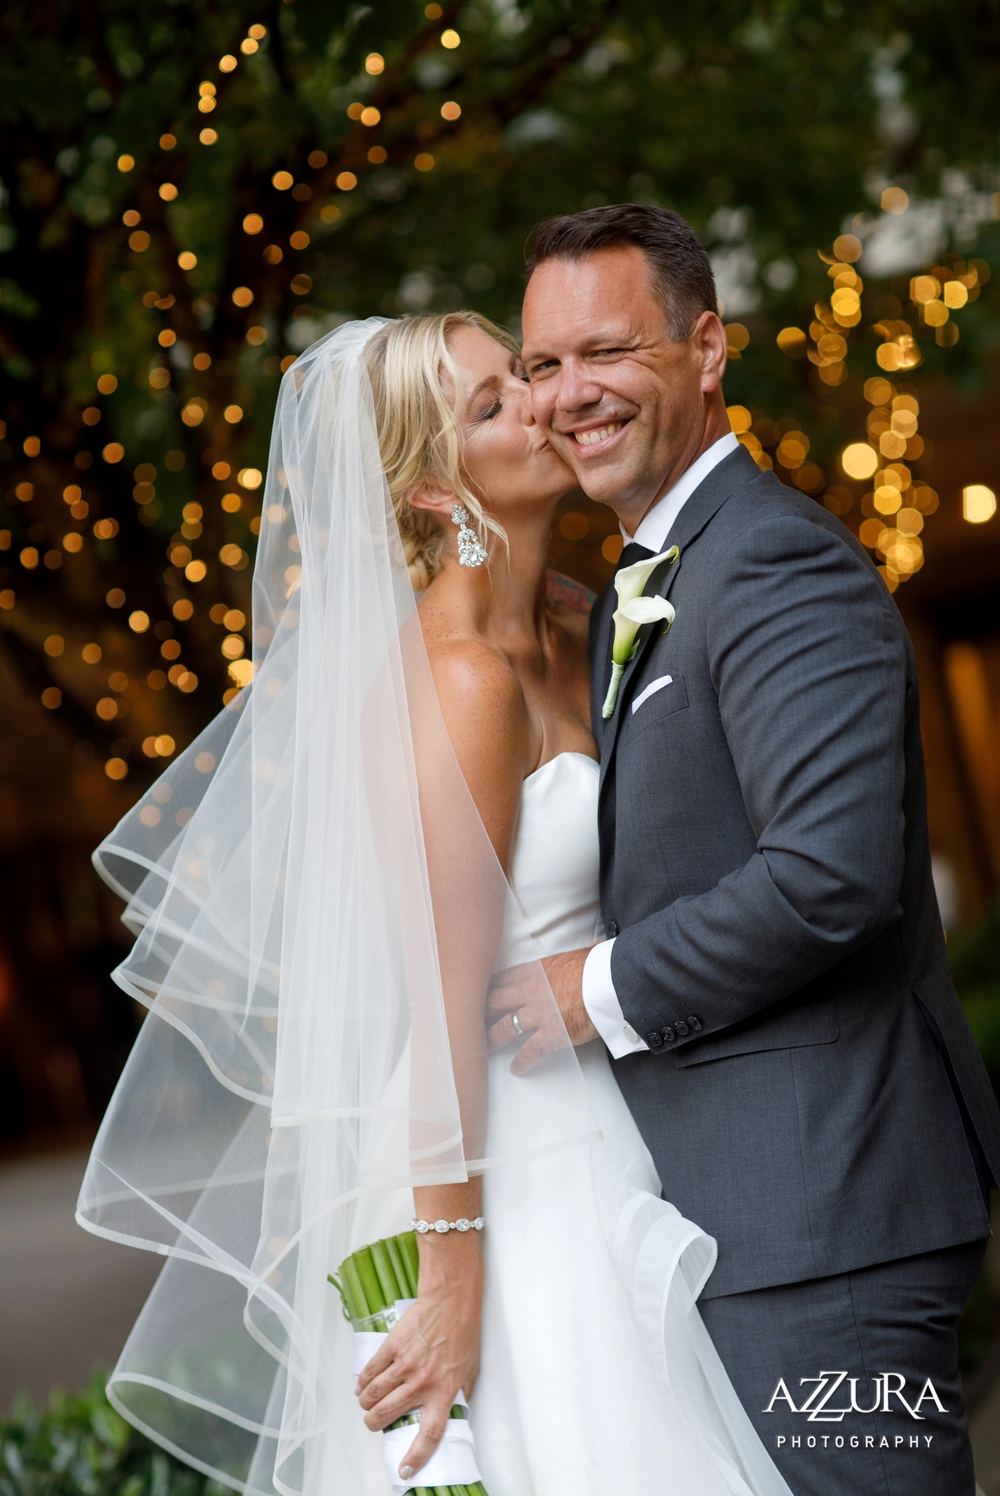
682 1029
668 1035
654 1041
694 1023
612 929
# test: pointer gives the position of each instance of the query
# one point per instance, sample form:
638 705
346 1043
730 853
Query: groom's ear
709 340
430 496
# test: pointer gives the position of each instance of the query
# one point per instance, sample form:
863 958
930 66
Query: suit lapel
708 498
601 637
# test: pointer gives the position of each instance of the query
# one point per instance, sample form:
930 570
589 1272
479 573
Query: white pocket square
651 690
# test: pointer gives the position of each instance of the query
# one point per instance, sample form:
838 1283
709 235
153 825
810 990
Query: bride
398 814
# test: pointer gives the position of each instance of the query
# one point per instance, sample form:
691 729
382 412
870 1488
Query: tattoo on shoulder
563 592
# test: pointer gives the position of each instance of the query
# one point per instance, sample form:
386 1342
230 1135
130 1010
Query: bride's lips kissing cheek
625 403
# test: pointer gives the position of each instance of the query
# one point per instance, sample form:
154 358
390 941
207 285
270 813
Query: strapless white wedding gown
598 1377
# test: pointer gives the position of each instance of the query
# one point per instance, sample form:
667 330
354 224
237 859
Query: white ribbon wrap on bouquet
453 1463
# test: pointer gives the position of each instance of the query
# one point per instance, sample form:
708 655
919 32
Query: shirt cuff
603 1007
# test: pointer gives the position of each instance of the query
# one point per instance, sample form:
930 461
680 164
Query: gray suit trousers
873 1338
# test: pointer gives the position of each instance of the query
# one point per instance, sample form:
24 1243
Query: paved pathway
67 1298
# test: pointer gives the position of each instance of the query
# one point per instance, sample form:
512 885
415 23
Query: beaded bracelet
443 1227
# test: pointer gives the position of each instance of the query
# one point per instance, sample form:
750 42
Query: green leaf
110 1428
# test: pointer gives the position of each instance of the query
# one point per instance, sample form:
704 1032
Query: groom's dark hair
680 269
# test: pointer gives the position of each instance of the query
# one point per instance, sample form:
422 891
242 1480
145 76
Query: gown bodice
555 860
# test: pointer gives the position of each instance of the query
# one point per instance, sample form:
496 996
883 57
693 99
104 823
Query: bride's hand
433 1353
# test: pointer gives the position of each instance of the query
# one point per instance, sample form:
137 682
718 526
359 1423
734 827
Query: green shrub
79 1446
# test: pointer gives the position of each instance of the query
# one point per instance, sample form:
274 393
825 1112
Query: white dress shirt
599 996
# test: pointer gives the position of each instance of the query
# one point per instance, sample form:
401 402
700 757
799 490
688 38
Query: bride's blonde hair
419 432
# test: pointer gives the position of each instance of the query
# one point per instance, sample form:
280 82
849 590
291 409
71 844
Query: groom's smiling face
627 406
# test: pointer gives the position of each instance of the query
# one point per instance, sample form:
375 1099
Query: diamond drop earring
471 551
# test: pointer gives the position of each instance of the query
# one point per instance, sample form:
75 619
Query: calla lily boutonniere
632 612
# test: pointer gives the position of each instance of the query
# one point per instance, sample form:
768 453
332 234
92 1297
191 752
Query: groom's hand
520 1010
520 993
565 976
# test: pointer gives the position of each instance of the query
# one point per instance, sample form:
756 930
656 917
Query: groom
773 989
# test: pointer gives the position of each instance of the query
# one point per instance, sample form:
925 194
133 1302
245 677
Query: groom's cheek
543 403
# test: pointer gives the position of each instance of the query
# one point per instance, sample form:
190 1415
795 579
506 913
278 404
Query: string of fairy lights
107 691
897 504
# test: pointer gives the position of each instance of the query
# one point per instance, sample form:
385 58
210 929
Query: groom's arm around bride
774 989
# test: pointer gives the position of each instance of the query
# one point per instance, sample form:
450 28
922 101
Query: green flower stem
355 1288
408 1247
386 1273
373 1295
396 1257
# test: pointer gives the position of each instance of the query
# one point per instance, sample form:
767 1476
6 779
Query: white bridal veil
317 911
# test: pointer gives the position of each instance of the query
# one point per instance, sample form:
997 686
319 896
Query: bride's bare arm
434 1351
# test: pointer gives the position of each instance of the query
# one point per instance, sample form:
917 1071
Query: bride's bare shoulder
474 676
465 665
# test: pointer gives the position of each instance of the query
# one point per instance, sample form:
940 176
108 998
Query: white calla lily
632 612
639 611
631 581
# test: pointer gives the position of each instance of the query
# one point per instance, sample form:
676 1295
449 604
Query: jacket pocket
791 1028
664 702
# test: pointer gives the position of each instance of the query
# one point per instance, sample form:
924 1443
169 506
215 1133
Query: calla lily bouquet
377 1285
632 612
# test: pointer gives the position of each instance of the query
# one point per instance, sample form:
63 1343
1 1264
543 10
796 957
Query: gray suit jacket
812 1093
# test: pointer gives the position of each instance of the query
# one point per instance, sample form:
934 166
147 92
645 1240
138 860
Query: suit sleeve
808 660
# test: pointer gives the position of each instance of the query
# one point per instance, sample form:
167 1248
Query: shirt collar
657 524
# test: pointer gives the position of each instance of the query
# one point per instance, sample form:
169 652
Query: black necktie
633 553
